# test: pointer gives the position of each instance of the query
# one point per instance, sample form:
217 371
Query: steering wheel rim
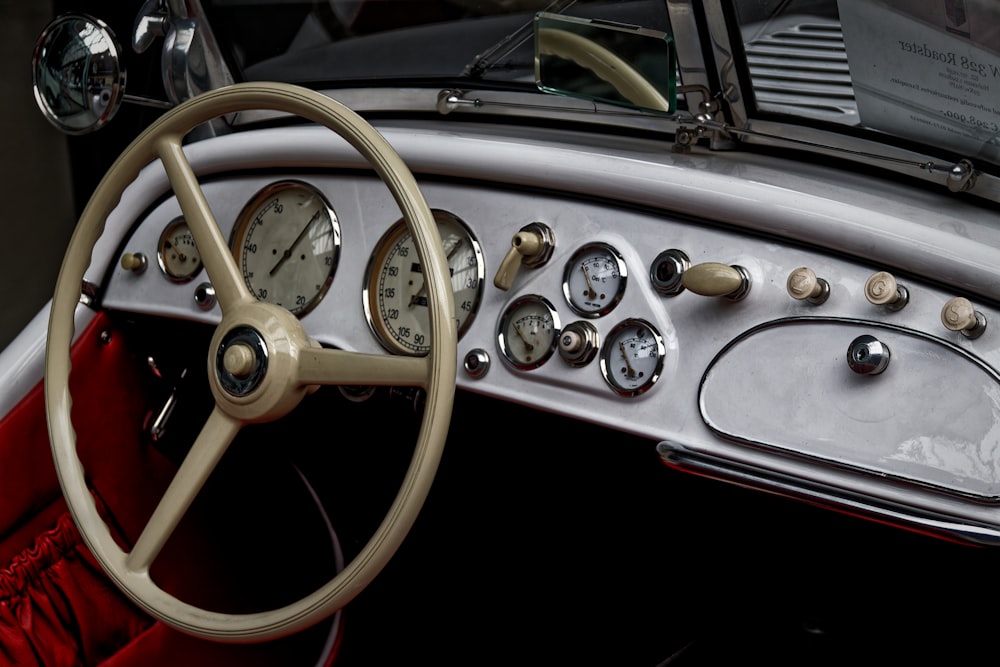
294 364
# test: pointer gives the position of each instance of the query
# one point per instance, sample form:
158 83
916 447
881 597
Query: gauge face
395 297
594 279
176 252
632 357
287 244
527 332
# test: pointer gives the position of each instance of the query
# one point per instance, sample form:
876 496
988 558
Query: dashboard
813 333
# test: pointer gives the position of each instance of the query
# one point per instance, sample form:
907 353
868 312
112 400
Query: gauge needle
528 346
423 285
629 371
586 275
288 252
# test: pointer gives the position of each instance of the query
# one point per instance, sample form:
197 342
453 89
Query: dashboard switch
715 279
803 285
960 315
578 343
531 246
867 355
881 289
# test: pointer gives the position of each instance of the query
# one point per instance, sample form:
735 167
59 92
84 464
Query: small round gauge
176 252
287 244
632 357
594 279
528 331
395 295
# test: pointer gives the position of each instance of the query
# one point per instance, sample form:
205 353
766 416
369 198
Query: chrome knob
867 355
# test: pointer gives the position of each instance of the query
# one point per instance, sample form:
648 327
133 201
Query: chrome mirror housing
77 75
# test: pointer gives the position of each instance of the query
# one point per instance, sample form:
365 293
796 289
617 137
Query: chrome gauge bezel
302 291
617 345
176 266
398 327
515 346
579 278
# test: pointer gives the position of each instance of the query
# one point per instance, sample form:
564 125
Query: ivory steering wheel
250 330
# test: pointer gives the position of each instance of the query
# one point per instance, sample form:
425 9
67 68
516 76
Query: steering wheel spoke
213 441
319 366
230 288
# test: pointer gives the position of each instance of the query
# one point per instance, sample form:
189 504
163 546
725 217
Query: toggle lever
532 246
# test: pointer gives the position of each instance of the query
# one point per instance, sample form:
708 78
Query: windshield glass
925 71
381 42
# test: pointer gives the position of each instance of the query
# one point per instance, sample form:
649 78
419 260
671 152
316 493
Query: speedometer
287 243
395 297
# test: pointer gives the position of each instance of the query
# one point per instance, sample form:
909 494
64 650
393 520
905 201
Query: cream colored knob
239 360
715 279
881 289
134 262
803 285
960 315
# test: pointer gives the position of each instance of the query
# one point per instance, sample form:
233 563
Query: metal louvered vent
802 69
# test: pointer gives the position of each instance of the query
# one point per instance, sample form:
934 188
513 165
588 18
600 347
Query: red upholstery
56 606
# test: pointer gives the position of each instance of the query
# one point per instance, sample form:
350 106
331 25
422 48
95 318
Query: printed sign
928 70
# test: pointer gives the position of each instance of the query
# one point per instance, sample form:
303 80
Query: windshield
382 42
917 77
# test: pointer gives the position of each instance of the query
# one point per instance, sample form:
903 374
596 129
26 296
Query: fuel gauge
176 252
632 357
528 331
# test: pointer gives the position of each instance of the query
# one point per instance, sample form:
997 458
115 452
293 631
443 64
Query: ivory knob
958 314
716 279
881 289
803 284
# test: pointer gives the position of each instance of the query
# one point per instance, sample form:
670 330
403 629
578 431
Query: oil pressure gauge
594 279
527 332
632 357
176 252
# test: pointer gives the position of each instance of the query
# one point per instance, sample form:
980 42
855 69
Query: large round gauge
632 357
527 332
287 244
594 279
395 296
176 252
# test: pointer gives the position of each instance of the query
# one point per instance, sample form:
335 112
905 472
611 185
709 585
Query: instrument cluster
286 241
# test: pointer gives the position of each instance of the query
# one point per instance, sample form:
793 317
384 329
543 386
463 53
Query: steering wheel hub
241 361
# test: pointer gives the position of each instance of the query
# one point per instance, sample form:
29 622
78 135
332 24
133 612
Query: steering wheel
261 363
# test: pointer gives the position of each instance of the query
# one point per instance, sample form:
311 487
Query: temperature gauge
632 357
594 279
528 331
177 254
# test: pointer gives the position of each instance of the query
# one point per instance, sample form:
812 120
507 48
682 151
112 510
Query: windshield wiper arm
486 60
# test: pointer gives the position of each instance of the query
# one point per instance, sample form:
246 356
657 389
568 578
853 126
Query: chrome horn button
241 361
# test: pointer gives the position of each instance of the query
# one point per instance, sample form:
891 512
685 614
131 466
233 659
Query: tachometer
287 245
395 298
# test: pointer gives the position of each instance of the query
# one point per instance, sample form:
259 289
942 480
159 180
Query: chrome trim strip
677 456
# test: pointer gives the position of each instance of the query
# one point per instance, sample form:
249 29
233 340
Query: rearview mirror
607 62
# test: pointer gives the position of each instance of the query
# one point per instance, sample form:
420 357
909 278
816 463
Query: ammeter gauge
528 332
632 357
